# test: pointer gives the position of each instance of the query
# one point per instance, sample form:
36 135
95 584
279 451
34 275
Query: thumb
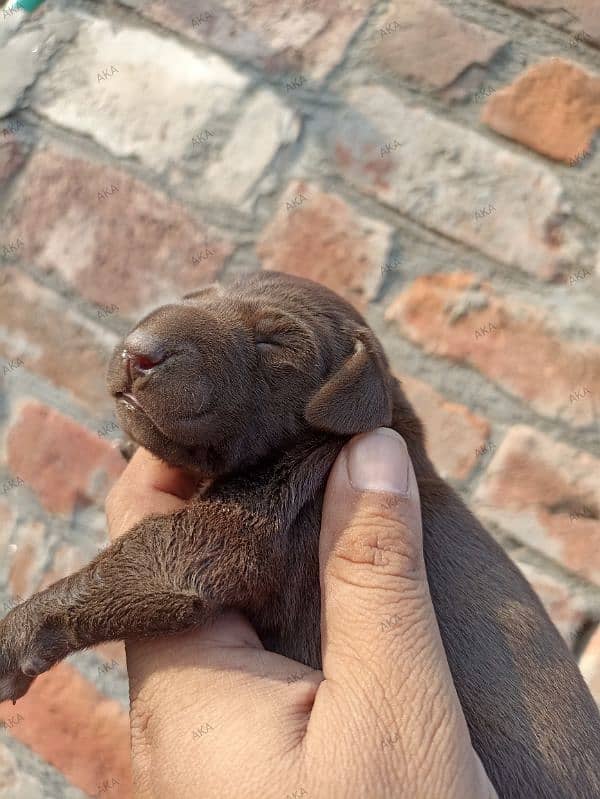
380 639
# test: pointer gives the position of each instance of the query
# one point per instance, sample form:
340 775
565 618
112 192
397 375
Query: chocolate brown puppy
256 387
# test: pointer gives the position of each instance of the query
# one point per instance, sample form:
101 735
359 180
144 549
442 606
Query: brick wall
432 161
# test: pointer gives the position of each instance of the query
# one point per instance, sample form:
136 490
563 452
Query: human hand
212 710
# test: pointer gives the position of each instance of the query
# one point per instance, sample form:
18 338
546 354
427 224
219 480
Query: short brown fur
259 386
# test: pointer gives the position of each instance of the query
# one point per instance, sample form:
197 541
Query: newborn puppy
256 388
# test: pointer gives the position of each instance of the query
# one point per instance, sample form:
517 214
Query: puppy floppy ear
357 398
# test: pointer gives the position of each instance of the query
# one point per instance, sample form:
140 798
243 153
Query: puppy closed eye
265 344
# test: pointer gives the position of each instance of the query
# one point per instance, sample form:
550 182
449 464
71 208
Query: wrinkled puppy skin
256 387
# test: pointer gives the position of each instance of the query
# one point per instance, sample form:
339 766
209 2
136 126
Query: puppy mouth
131 402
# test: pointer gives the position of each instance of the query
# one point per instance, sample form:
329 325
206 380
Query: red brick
590 664
547 495
12 157
553 108
54 341
453 432
309 36
70 725
433 45
582 15
129 249
568 612
326 240
444 313
65 464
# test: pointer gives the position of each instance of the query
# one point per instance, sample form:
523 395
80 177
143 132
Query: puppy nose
141 356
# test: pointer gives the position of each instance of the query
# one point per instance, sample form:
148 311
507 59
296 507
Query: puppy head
229 375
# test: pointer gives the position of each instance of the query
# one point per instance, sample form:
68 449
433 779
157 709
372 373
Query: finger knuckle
381 546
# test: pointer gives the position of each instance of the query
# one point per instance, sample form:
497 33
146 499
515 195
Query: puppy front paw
30 644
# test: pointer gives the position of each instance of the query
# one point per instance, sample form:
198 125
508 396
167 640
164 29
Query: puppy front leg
167 574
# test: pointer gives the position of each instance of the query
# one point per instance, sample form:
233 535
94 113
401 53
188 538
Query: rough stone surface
581 15
457 316
170 78
11 157
554 108
43 446
265 126
275 35
54 340
454 434
442 176
547 495
324 239
131 248
430 44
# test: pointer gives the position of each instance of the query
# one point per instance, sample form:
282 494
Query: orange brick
64 463
68 723
547 495
454 433
554 108
458 317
